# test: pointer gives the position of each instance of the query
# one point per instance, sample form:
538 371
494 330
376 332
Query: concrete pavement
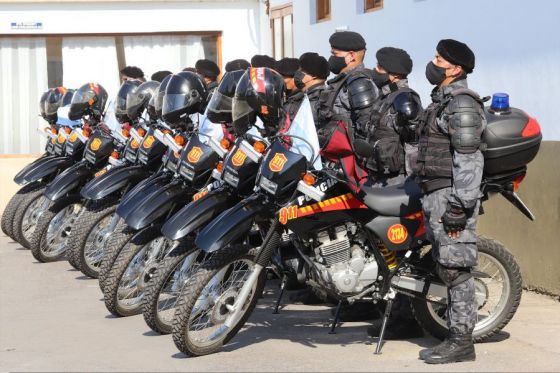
53 319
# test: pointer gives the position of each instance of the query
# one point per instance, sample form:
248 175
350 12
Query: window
371 5
282 31
323 10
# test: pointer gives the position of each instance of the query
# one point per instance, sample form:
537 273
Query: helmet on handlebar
219 107
89 99
138 99
128 86
260 92
158 97
185 94
53 101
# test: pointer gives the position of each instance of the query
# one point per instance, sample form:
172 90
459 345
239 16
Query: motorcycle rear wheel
498 295
206 296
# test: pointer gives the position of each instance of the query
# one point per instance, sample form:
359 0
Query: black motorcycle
143 215
233 180
355 244
61 202
20 214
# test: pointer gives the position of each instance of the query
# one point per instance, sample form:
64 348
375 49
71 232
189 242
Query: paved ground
53 319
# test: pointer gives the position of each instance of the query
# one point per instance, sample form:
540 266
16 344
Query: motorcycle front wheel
165 287
50 238
498 286
205 302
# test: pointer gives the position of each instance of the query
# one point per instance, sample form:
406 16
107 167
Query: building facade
62 42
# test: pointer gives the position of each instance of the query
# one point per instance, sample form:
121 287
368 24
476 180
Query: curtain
153 53
23 78
90 59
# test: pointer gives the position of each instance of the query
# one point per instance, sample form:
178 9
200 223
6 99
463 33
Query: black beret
207 68
457 53
240 64
347 41
394 60
315 65
287 66
158 76
262 60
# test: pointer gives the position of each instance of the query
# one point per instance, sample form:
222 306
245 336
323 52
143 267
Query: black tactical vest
435 152
389 154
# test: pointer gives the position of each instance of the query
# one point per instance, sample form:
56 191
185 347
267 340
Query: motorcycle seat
395 200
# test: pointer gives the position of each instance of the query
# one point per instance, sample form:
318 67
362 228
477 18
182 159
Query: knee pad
453 276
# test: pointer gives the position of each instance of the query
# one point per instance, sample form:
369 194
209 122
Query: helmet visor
174 102
84 97
120 105
220 108
243 115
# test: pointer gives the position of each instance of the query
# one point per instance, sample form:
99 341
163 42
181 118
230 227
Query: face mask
336 64
435 74
298 79
380 79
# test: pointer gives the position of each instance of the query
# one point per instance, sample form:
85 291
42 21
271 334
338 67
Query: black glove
454 219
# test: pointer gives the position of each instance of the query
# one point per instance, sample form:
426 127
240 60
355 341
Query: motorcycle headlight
268 185
231 179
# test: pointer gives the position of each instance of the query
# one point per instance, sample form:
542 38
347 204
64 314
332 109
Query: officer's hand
454 220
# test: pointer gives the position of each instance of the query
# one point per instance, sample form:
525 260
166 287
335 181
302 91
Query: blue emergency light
500 102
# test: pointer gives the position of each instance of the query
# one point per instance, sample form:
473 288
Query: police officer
287 67
210 72
310 78
349 97
395 118
263 60
239 64
450 165
351 93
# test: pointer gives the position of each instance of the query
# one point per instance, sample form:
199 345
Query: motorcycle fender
112 181
231 224
157 204
69 180
396 233
196 214
42 167
140 191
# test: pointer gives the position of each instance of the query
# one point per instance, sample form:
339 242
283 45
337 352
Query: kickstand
384 326
336 317
279 299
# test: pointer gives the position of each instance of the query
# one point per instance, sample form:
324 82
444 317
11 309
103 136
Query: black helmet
52 102
260 92
160 94
89 99
138 99
126 88
219 107
42 101
185 94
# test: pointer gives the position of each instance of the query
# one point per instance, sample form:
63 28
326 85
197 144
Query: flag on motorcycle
303 126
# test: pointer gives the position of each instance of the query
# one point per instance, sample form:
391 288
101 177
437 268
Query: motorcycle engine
342 259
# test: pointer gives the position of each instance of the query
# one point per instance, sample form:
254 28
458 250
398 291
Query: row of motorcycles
182 224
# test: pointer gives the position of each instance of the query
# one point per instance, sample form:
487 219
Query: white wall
239 21
516 42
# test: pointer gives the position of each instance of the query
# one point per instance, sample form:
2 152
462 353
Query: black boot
457 347
424 353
